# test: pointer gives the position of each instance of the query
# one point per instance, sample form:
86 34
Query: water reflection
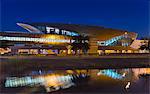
140 71
51 82
61 79
112 73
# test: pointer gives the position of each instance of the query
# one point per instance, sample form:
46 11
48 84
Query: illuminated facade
59 39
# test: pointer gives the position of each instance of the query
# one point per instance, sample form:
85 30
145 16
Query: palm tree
80 43
4 44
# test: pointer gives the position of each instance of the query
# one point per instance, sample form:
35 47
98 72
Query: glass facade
51 30
114 41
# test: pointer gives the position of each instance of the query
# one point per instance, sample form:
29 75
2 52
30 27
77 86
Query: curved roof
29 28
93 31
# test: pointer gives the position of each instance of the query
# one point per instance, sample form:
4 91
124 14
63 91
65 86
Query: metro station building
54 38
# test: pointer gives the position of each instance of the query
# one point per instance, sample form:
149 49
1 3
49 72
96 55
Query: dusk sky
130 15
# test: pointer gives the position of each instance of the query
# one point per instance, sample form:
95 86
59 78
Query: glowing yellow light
52 80
60 39
69 71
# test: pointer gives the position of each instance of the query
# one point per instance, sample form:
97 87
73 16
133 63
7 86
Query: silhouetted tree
143 47
146 46
3 44
80 43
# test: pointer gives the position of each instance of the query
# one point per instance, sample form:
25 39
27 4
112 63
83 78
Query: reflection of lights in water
70 71
128 85
51 82
40 72
111 73
23 81
139 71
55 82
124 74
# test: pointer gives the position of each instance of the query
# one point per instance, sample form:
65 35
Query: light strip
110 41
34 39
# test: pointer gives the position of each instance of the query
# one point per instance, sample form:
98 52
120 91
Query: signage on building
52 30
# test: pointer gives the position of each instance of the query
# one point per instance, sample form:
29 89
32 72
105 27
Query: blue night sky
130 15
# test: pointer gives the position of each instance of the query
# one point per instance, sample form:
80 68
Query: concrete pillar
93 46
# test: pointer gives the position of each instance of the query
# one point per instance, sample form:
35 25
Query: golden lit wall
57 37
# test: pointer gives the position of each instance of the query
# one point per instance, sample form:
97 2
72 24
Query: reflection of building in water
112 73
51 82
47 80
140 71
23 81
54 80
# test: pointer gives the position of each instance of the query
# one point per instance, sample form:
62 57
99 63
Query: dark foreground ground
27 63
